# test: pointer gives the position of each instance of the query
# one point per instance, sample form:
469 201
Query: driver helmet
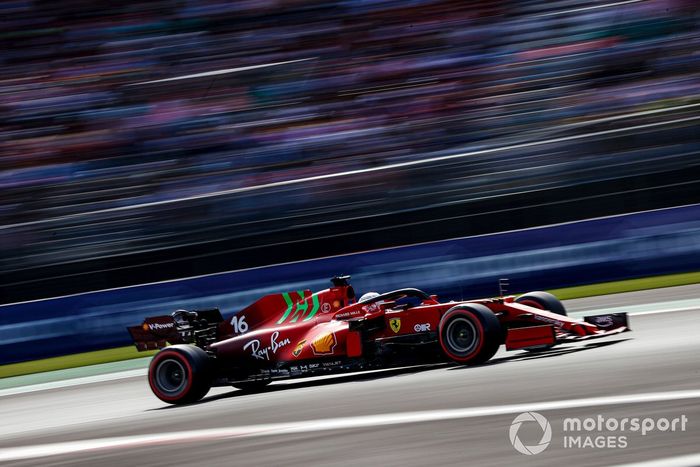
368 296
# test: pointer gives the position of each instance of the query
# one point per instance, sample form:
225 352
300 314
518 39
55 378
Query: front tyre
543 301
470 334
180 374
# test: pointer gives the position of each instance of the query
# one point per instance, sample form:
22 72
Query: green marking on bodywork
298 310
314 309
301 306
290 304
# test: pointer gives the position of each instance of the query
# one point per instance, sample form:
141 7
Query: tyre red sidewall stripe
151 372
479 327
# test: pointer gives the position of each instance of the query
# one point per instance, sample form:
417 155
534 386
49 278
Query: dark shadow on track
391 372
301 383
556 352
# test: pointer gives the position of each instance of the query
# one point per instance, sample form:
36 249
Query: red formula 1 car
305 334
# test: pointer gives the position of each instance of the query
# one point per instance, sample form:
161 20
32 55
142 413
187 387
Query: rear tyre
470 334
180 374
542 301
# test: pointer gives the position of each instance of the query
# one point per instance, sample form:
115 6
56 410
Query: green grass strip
72 361
126 353
630 285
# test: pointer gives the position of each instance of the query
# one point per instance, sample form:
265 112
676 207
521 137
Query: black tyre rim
171 376
462 336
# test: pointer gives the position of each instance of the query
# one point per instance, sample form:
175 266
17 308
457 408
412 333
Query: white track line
631 311
328 424
657 312
691 460
144 371
73 382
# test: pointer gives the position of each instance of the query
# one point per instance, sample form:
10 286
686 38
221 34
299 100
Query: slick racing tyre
180 374
470 334
543 301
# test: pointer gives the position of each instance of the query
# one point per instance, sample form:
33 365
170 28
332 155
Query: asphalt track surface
441 415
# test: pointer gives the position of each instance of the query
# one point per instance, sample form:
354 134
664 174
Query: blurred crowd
111 105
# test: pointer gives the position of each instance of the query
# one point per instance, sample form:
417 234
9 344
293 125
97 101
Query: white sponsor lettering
157 326
239 324
547 320
422 327
348 314
263 353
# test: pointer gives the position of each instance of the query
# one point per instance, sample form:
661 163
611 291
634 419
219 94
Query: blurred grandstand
330 127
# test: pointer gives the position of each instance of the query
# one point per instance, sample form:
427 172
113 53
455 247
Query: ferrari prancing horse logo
395 324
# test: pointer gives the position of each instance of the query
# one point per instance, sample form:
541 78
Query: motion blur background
387 122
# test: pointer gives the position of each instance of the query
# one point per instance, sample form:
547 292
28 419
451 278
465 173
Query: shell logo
324 344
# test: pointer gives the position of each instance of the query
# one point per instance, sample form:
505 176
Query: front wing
547 335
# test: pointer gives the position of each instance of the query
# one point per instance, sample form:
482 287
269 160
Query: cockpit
400 299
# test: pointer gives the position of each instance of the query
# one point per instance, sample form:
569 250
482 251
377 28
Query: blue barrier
633 245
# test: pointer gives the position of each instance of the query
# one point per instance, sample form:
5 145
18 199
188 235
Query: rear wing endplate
197 327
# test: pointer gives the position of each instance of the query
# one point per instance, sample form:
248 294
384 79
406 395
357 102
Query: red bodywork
303 333
320 325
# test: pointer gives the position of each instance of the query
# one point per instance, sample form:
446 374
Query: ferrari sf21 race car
296 334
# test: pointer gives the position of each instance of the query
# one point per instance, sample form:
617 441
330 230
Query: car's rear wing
199 327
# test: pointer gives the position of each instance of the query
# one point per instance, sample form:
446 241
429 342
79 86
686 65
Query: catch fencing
619 247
